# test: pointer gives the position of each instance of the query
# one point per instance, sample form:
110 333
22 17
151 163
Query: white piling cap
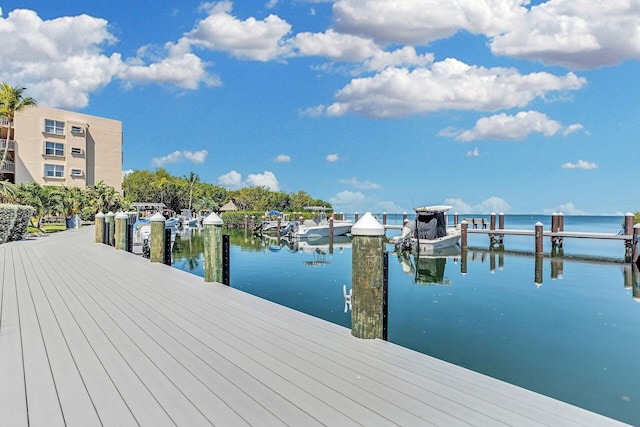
367 226
100 215
213 219
122 215
110 214
157 217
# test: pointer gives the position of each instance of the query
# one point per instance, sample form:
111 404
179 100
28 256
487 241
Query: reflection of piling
99 227
110 224
538 270
557 263
213 248
157 237
634 281
492 262
246 223
464 254
121 231
495 239
367 286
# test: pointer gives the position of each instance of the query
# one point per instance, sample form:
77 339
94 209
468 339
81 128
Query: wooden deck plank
141 402
42 395
13 399
75 402
163 340
109 403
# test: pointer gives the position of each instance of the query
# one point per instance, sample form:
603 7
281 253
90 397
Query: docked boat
317 227
429 232
270 222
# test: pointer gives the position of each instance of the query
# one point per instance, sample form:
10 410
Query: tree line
177 193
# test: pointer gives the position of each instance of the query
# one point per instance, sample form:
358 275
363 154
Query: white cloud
506 127
178 156
124 172
62 61
332 158
419 22
582 164
362 185
351 48
231 180
573 128
473 153
266 179
576 34
446 85
565 208
260 40
347 201
282 158
492 204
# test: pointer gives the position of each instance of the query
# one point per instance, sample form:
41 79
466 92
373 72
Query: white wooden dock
92 336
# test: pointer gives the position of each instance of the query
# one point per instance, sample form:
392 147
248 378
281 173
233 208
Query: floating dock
91 336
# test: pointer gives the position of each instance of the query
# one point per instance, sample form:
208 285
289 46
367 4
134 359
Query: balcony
8 167
3 144
4 121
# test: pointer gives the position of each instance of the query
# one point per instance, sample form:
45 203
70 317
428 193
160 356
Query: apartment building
58 147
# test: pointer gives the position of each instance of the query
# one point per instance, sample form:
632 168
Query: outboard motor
291 228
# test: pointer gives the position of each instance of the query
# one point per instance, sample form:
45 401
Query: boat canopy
430 225
434 209
273 213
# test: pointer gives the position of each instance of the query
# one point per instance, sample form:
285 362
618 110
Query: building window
76 172
76 150
53 148
53 126
53 171
76 129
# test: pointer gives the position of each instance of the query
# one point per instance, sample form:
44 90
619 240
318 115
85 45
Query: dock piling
121 232
464 227
367 283
213 260
100 227
157 237
539 234
110 221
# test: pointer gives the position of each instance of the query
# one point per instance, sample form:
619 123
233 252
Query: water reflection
429 269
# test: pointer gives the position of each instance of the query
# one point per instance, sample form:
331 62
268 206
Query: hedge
14 220
235 219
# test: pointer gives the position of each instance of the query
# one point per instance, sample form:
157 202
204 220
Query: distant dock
91 335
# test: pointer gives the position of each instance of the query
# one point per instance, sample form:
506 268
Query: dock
92 336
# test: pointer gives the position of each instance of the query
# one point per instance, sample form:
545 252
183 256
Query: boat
317 227
429 232
270 222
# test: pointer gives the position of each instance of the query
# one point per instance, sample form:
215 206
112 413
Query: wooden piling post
634 243
463 234
331 230
501 220
157 237
355 218
279 224
109 219
628 224
253 222
121 231
367 283
539 235
100 227
213 261
246 222
492 223
384 218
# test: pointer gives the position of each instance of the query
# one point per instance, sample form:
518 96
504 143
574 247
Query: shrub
21 225
7 219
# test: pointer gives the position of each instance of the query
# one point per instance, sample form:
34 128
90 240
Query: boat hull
315 232
429 246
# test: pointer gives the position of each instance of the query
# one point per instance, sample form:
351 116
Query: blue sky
487 105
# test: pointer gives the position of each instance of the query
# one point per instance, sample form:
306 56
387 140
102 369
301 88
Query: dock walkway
92 336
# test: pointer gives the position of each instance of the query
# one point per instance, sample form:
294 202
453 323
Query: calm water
574 337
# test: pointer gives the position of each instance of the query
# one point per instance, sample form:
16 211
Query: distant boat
429 232
270 222
317 227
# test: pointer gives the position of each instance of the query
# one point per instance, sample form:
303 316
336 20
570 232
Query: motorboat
271 220
429 232
317 227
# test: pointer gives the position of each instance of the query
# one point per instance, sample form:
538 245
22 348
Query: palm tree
12 101
8 192
193 179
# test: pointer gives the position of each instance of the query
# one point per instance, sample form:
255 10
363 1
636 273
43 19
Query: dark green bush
7 218
21 224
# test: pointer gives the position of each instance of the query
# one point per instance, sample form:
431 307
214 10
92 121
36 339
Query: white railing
9 167
3 144
4 121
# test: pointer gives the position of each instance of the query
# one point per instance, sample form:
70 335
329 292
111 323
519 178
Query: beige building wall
58 147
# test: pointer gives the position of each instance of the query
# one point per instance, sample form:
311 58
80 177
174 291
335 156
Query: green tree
8 192
193 179
11 102
46 200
